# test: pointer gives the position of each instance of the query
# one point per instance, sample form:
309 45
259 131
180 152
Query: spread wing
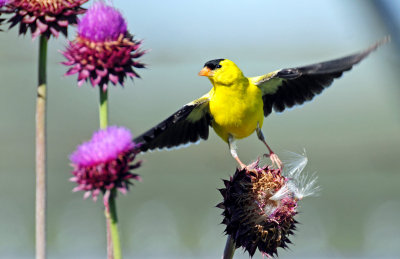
188 124
287 87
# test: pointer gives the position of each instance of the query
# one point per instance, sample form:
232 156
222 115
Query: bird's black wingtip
386 39
363 54
383 41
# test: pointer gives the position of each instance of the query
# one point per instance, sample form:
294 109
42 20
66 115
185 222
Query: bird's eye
219 66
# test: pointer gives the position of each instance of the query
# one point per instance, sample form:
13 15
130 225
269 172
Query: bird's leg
274 158
233 148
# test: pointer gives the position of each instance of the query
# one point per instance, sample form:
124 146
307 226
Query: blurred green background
351 132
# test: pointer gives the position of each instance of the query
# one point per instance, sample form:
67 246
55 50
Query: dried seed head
259 208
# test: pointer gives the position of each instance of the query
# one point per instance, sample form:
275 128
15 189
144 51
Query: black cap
213 64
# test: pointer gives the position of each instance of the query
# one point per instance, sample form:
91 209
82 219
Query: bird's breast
236 111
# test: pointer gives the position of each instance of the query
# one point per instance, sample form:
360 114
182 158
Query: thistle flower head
259 208
44 17
2 3
103 50
102 23
105 162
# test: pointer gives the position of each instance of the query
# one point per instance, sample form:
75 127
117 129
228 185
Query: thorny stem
229 248
41 152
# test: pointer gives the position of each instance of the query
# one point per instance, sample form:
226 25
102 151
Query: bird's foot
252 167
248 168
242 166
275 160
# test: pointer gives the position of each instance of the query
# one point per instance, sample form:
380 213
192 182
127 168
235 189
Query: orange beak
206 72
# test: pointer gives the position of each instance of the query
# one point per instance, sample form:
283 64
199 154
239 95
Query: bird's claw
252 167
248 168
275 160
242 166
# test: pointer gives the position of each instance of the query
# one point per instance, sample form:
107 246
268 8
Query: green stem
114 226
103 109
113 242
109 240
41 152
230 248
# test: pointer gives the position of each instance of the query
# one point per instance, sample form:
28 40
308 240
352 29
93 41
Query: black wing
287 87
188 124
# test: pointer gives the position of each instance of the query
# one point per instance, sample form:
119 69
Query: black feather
176 129
212 64
301 84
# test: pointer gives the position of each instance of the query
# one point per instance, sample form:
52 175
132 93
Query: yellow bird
236 105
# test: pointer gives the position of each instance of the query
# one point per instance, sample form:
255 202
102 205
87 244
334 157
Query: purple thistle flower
3 2
43 17
102 23
259 207
103 50
105 162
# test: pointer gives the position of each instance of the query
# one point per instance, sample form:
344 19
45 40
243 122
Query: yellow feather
235 103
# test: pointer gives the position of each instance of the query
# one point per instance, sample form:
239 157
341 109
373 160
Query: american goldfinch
236 105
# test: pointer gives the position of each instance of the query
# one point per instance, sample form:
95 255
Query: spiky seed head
259 208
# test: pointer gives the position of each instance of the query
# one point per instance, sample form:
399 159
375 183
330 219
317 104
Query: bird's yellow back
235 103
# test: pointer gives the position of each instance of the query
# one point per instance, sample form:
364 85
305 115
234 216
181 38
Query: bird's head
221 71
